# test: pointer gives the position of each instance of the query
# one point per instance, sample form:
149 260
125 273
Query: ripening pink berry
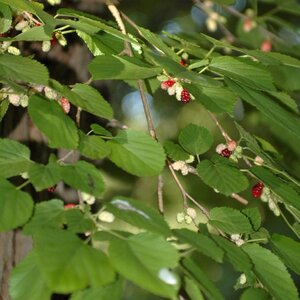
69 205
65 104
248 25
231 145
266 46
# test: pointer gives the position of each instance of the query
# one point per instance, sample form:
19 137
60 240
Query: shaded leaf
288 250
195 139
201 242
207 286
110 292
286 192
239 259
175 151
269 270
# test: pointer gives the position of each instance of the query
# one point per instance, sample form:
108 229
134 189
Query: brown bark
13 247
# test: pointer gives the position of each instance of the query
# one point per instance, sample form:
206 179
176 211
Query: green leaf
14 158
84 177
97 129
93 146
287 100
48 214
245 72
288 250
15 206
85 97
286 192
284 119
201 242
91 24
222 176
192 289
239 259
48 116
229 220
22 68
175 151
21 5
257 294
42 176
68 264
148 257
156 41
92 101
6 16
116 67
271 272
216 99
195 139
77 222
4 104
22 277
254 217
249 139
102 42
137 153
112 291
207 286
138 214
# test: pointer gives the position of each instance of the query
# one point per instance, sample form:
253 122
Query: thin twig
78 116
239 198
150 124
185 195
116 14
224 133
141 87
160 198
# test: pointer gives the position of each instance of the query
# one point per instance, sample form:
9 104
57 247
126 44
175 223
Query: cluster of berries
174 87
187 217
53 95
230 150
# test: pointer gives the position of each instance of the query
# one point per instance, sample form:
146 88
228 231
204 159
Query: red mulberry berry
257 189
226 153
183 62
185 96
